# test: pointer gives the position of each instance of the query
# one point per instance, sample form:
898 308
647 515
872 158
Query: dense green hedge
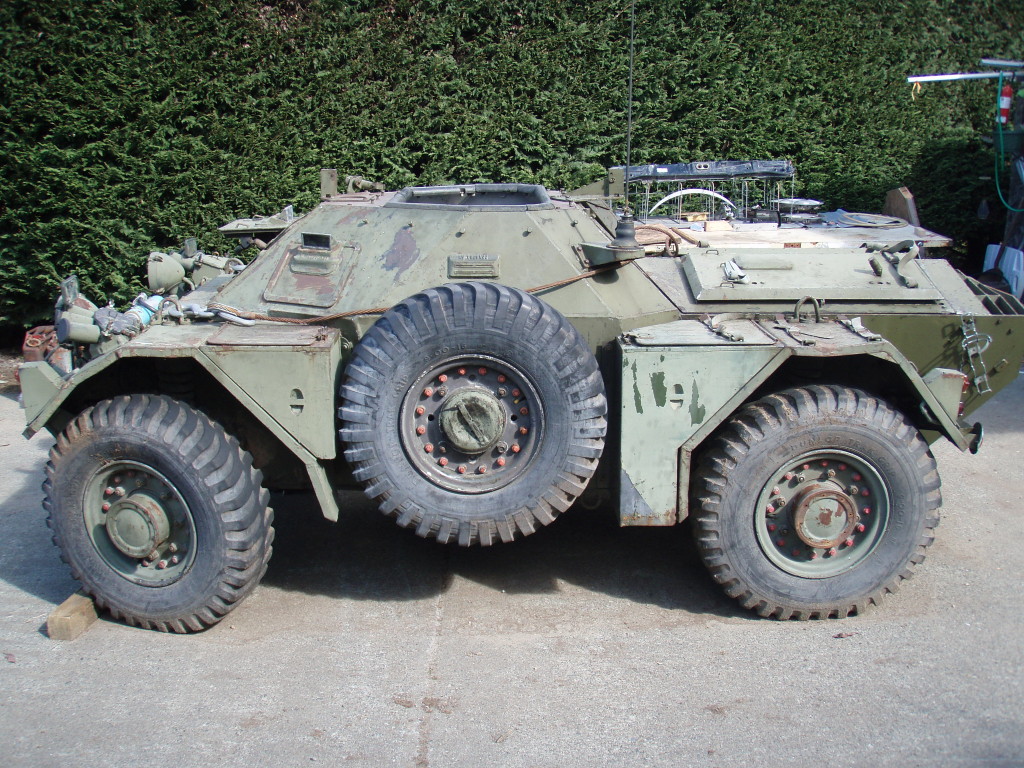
127 126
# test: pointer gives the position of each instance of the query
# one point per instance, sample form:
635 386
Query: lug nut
501 447
429 448
524 411
173 547
108 491
516 393
831 473
421 430
769 509
502 379
502 391
857 478
806 467
461 470
866 511
442 392
162 564
119 491
865 492
175 560
849 542
501 461
771 527
824 463
833 552
117 479
443 461
428 392
776 491
105 507
482 371
788 476
420 410
462 371
854 490
861 528
523 430
814 555
481 469
781 542
842 467
516 448
442 378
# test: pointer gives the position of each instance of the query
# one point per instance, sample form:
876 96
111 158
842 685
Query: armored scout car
477 358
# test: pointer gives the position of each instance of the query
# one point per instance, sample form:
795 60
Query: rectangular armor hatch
773 274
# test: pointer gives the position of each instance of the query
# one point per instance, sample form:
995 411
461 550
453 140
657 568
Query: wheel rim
471 424
139 524
822 513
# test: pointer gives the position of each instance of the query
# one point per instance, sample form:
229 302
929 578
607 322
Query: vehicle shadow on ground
366 556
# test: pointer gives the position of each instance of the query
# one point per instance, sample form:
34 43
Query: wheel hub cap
472 420
138 525
824 516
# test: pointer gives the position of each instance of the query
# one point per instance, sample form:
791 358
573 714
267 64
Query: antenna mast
629 107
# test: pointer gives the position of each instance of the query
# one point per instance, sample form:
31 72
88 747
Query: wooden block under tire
71 618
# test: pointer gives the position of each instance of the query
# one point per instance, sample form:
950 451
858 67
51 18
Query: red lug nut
462 371
516 393
428 392
788 476
516 448
442 378
523 430
421 430
105 507
443 461
420 410
501 461
481 469
482 371
861 528
771 527
866 511
501 379
461 470
849 542
524 411
429 447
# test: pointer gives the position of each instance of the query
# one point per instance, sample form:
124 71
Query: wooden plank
71 618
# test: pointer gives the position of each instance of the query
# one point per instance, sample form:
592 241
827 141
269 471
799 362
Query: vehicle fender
682 380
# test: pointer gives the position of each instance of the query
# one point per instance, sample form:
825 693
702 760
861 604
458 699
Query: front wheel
815 502
159 512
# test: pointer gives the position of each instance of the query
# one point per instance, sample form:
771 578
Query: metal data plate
840 274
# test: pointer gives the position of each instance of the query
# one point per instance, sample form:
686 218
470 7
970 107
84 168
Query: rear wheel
815 502
159 512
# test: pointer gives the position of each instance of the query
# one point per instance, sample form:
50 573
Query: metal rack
747 183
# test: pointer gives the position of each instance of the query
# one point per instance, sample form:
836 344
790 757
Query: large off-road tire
159 513
473 412
815 502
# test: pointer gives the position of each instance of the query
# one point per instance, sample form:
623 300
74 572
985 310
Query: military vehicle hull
479 358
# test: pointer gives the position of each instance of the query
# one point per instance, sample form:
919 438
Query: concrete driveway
584 645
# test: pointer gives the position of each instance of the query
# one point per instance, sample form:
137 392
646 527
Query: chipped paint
403 252
638 401
697 411
659 388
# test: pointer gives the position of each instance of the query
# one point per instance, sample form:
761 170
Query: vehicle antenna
629 103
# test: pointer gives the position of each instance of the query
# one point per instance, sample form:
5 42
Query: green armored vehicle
480 358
